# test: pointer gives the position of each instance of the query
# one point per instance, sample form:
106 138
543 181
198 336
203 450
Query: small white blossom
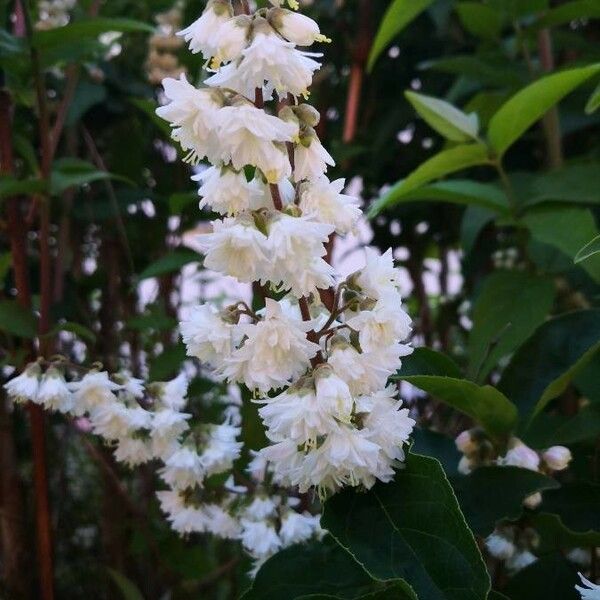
311 159
591 591
173 393
24 387
499 546
167 426
295 27
379 276
259 538
557 458
520 560
275 351
133 451
296 527
206 335
521 456
222 449
95 389
260 508
183 469
323 201
465 443
54 393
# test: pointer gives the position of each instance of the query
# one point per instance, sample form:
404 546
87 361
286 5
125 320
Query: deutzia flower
275 351
296 527
173 393
499 546
54 392
206 335
323 201
192 113
249 137
557 458
231 40
203 34
295 27
133 451
222 449
259 538
591 591
110 420
333 394
167 426
183 469
237 248
382 325
310 157
296 254
379 276
521 456
269 59
24 387
520 560
219 522
227 191
94 390
260 508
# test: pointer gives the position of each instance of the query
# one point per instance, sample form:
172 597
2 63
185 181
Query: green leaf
148 107
568 229
181 200
411 528
519 8
570 11
168 364
474 221
74 172
424 361
491 494
543 367
549 578
128 589
398 15
317 570
480 20
86 29
593 102
86 96
439 446
531 103
500 325
16 320
438 166
11 186
573 183
446 119
590 249
577 506
484 404
170 263
549 430
556 536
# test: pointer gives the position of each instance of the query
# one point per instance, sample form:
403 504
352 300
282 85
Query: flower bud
557 458
465 465
499 546
307 114
533 501
522 456
298 29
465 443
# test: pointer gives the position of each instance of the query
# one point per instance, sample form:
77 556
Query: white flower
465 442
379 276
520 560
173 393
521 456
206 335
533 501
333 394
297 415
296 527
167 426
269 62
557 458
24 387
132 385
133 451
222 449
231 40
183 518
249 137
220 523
193 114
203 34
311 159
110 420
54 392
465 465
382 325
237 248
296 253
259 538
366 372
499 547
275 351
183 469
227 191
323 201
295 27
388 424
260 508
591 591
284 461
95 389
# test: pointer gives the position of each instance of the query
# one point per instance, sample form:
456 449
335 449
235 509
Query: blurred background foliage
502 270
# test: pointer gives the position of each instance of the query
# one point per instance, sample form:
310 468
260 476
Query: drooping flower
54 393
310 157
133 451
222 448
93 390
297 527
24 387
295 27
274 351
183 469
259 538
323 201
379 276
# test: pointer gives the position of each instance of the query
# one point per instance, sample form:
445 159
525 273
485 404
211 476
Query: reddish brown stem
276 196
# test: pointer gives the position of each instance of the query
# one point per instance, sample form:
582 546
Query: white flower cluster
477 450
145 422
318 370
513 546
